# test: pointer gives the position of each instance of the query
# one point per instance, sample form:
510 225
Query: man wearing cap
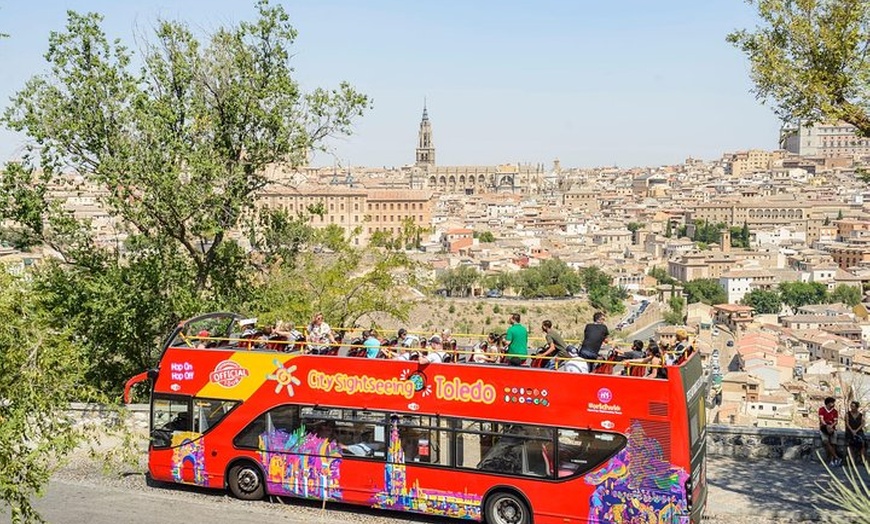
202 338
249 331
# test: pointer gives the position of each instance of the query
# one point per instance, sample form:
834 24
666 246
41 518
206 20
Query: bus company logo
605 396
228 374
608 424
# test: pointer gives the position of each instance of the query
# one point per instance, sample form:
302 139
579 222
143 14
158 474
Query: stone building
471 180
370 210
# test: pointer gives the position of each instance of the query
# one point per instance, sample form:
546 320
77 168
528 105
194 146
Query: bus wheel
246 482
504 507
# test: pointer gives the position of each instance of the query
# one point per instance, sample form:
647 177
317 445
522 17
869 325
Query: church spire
425 146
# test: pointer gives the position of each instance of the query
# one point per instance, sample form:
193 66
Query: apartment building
353 209
825 140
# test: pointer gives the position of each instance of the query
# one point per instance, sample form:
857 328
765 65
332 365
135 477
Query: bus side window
269 430
580 451
208 412
168 416
423 441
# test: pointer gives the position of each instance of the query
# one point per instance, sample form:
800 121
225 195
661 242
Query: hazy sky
624 82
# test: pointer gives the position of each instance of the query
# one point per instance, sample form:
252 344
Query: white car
715 332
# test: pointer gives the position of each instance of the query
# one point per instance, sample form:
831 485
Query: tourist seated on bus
202 339
574 365
655 363
372 344
249 333
680 351
635 352
488 351
319 335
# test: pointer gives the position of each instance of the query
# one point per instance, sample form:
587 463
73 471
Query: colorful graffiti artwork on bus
398 495
638 485
188 455
301 464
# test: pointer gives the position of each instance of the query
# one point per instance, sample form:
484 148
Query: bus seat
536 460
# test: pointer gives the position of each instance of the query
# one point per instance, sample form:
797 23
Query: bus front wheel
504 507
246 482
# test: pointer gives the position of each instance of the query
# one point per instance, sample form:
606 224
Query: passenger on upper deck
556 346
594 336
653 359
318 335
487 351
202 337
372 344
635 352
517 337
680 350
249 332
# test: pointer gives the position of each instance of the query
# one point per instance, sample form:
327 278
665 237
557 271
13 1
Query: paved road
741 492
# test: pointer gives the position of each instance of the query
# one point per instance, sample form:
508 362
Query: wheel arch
510 489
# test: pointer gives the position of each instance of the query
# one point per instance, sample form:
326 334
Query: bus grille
659 409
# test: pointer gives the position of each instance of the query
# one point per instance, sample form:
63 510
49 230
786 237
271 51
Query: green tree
345 284
708 233
669 229
661 275
501 281
763 301
601 292
486 236
459 281
41 372
706 290
179 145
551 278
845 294
676 313
809 58
797 294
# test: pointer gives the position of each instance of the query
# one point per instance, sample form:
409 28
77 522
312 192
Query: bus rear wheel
246 482
504 507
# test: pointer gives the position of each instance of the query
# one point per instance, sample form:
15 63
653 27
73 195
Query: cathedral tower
425 147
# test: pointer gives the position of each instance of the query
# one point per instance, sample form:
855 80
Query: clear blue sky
625 82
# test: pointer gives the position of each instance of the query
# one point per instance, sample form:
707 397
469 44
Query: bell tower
425 147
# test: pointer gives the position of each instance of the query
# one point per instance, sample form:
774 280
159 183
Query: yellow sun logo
284 377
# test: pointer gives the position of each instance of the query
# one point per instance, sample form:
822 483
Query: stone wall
771 443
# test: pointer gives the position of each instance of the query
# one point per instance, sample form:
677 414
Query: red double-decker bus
508 445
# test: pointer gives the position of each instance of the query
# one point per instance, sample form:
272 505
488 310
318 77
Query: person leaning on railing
557 349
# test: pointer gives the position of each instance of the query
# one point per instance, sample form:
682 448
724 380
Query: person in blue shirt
372 344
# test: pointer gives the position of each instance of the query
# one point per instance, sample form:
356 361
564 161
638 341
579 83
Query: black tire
246 481
506 507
